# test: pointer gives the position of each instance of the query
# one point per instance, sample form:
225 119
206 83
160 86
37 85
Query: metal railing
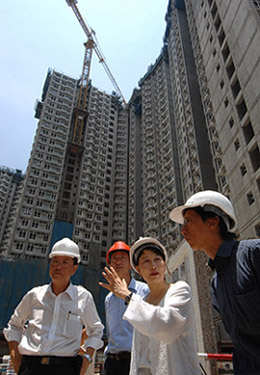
223 362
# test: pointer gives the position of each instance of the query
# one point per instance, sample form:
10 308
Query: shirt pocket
72 325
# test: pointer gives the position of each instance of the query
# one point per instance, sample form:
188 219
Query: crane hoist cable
96 47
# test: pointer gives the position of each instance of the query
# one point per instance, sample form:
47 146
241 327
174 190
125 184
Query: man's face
195 230
119 260
62 268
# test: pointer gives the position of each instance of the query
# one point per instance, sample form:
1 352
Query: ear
129 265
75 267
213 222
138 270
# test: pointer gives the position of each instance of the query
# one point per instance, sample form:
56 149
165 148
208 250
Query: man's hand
16 357
85 363
115 284
84 366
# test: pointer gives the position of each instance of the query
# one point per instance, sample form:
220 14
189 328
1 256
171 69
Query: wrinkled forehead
62 257
118 253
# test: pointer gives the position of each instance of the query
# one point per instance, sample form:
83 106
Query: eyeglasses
62 263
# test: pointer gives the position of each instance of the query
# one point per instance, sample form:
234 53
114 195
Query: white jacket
170 327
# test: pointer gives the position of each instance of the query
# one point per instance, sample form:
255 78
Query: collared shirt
46 324
236 295
119 331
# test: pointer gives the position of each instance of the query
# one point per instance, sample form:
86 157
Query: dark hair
225 235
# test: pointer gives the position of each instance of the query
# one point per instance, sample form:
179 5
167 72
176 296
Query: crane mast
75 152
80 114
91 36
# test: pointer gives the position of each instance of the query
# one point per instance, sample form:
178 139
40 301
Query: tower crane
92 43
74 155
80 114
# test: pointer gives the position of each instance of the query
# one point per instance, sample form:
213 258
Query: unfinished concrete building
11 182
72 191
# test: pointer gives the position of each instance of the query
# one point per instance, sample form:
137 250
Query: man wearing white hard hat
209 224
44 332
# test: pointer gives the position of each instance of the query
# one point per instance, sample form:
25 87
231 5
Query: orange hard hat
118 246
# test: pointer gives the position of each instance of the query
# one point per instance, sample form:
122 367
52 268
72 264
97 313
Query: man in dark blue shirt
208 223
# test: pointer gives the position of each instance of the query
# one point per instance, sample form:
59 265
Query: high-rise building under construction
196 116
10 191
72 191
225 38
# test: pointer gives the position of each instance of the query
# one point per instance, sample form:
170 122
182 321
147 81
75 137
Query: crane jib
92 43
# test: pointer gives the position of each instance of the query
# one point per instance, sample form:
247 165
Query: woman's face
151 266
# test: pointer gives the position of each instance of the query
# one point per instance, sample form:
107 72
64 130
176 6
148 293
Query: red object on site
219 356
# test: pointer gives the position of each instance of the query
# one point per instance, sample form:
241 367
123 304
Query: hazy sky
41 34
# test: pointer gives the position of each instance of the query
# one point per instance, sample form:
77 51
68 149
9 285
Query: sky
41 34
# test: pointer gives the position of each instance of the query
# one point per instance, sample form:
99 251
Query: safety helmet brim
63 253
177 213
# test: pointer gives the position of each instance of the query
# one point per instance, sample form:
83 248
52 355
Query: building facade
72 190
154 181
225 37
11 182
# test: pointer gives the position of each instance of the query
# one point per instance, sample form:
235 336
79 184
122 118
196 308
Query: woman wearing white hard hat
164 340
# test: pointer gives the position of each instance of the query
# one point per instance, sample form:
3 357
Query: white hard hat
146 243
211 198
65 247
